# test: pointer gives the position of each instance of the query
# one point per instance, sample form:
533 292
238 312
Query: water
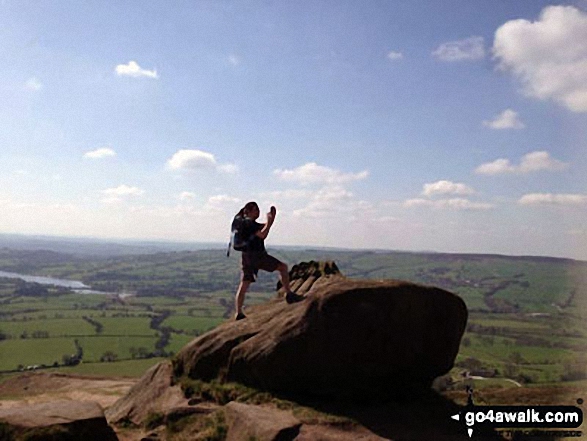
72 284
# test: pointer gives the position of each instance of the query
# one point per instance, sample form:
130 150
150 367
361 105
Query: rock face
307 275
247 421
348 338
154 393
59 420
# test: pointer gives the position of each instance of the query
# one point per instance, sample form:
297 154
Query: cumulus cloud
103 152
222 202
446 187
187 195
312 173
394 55
33 84
117 194
451 204
132 69
531 162
290 194
193 160
333 201
472 48
508 119
548 56
553 199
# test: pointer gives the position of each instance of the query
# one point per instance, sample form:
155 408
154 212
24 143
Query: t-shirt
248 229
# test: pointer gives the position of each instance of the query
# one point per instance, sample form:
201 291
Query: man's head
251 210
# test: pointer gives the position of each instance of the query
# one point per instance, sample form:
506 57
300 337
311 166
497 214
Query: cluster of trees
74 359
99 327
25 334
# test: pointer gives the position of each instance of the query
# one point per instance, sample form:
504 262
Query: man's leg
240 296
290 297
284 276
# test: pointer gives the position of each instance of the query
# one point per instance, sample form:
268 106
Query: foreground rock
348 338
246 421
59 420
154 393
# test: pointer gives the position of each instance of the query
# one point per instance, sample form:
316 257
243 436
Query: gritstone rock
348 338
59 420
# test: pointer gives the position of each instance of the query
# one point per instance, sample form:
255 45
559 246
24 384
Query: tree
108 356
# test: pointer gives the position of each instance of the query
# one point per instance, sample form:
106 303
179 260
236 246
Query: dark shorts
251 263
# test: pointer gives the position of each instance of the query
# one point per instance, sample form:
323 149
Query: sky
453 126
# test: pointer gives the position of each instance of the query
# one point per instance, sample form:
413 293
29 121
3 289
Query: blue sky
454 126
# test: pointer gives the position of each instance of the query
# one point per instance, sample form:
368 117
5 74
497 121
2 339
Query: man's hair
249 206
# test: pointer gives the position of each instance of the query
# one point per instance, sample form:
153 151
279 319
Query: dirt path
41 387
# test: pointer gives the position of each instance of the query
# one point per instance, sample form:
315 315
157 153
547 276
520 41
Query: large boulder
349 338
58 420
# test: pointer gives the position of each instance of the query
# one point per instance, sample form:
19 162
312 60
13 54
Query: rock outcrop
307 275
246 421
154 393
58 420
348 338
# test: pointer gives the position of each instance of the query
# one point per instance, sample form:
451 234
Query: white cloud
508 119
291 194
553 199
187 195
312 173
116 194
333 201
531 162
497 167
230 169
132 69
446 187
451 204
103 152
124 190
548 56
394 55
193 160
33 84
472 48
222 202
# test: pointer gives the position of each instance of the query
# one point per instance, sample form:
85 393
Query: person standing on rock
254 255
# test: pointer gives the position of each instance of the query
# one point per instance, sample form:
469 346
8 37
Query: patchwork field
526 324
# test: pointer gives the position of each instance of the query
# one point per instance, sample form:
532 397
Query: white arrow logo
456 417
470 432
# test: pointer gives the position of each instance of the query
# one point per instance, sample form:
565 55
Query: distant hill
99 247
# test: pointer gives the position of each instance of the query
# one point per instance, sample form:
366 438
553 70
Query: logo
483 418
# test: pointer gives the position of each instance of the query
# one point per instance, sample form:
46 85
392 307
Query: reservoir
73 284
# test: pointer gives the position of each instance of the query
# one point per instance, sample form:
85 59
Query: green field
33 352
526 315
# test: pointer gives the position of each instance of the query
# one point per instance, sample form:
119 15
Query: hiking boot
240 316
292 297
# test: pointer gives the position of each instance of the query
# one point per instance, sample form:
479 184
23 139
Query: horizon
458 127
222 246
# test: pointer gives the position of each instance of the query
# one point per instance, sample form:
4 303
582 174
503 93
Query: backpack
237 240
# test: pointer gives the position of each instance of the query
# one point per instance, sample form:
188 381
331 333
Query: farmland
526 322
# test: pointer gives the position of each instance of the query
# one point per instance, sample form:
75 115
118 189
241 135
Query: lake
73 284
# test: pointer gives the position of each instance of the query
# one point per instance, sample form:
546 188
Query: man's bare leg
240 296
290 297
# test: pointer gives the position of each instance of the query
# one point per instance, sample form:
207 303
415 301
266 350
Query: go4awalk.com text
519 417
